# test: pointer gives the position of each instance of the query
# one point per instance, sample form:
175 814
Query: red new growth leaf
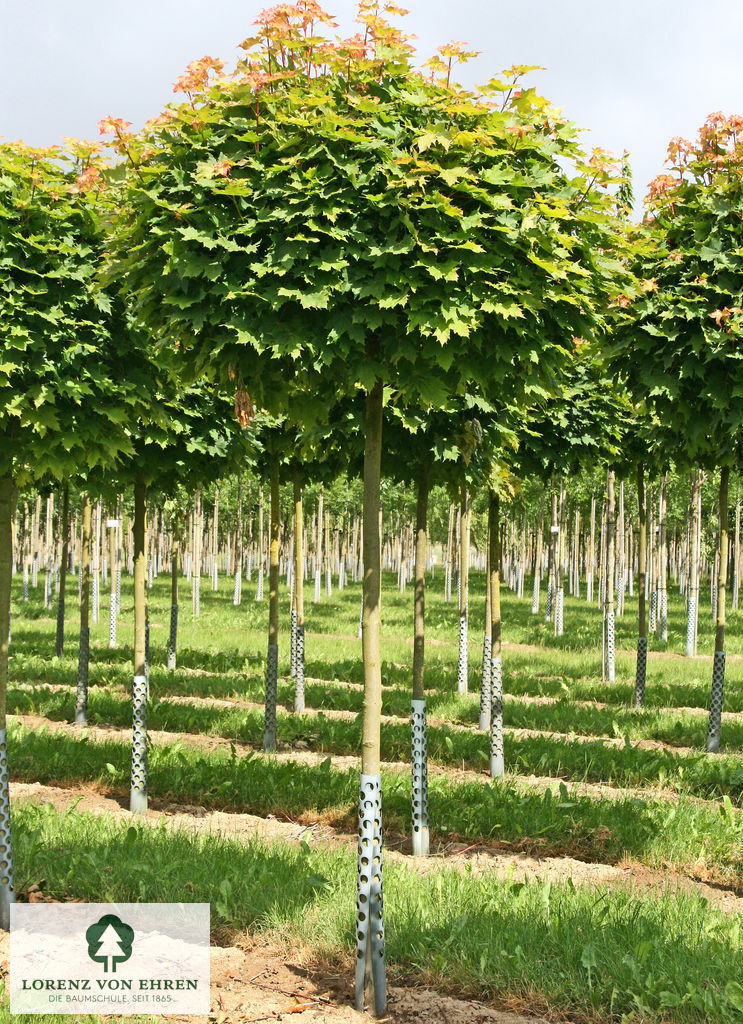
197 73
113 126
88 181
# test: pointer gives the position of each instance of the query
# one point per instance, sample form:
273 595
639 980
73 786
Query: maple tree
189 437
68 379
331 214
680 345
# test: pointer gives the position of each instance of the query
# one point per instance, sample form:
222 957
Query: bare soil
259 980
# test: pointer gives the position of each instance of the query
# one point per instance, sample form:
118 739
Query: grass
596 954
694 774
585 953
684 834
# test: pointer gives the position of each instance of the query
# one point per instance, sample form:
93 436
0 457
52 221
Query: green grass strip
605 955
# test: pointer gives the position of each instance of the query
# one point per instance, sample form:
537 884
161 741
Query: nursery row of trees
408 279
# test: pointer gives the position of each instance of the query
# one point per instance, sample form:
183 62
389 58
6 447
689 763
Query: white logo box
109 958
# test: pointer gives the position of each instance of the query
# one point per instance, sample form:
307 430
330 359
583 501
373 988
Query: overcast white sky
633 73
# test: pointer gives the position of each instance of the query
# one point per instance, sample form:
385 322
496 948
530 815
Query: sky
632 75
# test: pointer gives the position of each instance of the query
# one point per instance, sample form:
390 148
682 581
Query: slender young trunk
298 596
693 605
59 646
81 706
591 556
642 633
497 762
487 648
736 550
418 716
259 589
319 548
272 660
537 559
559 562
237 568
328 556
173 636
138 791
551 572
663 562
215 541
370 961
576 554
718 665
449 565
196 556
463 665
620 553
420 584
112 609
610 563
8 502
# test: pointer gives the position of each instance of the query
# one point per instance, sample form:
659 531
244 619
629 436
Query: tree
331 208
692 299
194 438
65 380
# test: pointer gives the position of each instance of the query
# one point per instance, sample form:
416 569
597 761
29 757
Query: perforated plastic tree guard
420 779
7 889
497 761
138 792
715 703
370 959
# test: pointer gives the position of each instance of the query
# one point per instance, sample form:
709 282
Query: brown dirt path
261 980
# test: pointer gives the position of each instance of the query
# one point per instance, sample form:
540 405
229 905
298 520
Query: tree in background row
681 345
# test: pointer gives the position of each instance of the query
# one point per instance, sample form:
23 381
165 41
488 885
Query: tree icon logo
109 942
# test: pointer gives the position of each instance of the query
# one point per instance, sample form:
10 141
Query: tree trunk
112 610
551 571
260 556
662 562
138 791
610 563
718 665
537 559
272 659
463 662
497 762
298 596
642 633
559 563
59 645
370 963
449 563
591 557
8 501
196 556
693 604
173 635
418 717
487 647
328 556
736 550
81 705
